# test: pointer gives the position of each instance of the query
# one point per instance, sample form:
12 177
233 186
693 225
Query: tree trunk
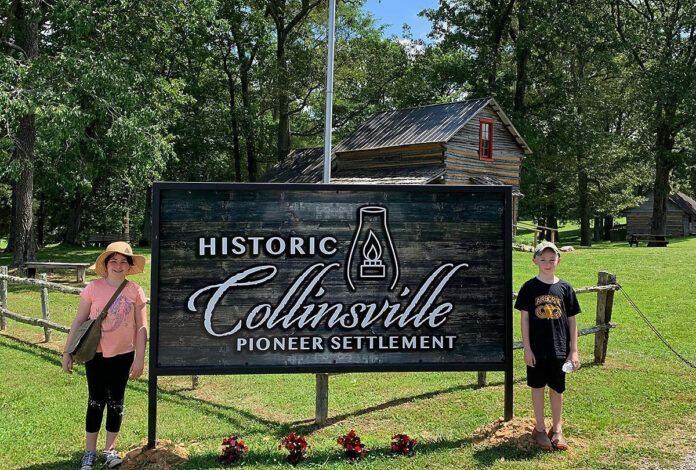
501 22
283 100
247 127
146 239
608 225
522 52
125 227
42 221
72 232
584 210
234 123
23 247
598 229
661 189
24 244
13 216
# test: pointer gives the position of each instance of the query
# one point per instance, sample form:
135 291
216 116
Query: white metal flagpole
321 409
329 93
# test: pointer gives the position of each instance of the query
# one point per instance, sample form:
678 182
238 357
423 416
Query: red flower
352 447
296 445
234 450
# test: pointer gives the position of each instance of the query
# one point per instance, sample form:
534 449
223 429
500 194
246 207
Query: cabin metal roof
436 123
300 166
679 199
684 202
491 181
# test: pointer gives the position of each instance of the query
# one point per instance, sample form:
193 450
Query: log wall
461 153
638 219
392 157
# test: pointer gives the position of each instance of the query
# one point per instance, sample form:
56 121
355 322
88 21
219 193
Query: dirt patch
517 433
164 455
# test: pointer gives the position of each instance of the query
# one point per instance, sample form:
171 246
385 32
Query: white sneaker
88 460
112 458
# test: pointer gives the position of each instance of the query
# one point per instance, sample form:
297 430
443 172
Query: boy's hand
529 358
573 356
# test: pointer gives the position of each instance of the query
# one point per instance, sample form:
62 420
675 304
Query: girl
121 351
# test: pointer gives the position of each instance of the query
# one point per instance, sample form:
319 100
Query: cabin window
486 139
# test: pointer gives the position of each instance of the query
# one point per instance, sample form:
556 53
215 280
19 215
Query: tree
287 16
21 40
659 43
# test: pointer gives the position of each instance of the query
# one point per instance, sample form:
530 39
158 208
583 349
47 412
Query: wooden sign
251 278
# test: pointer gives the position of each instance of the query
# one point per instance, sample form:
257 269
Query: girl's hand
136 369
573 356
67 363
529 358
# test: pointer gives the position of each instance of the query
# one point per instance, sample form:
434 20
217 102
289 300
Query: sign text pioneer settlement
319 278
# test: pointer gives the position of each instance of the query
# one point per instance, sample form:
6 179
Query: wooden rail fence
605 288
536 230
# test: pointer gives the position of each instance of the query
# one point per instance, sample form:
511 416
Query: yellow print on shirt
548 307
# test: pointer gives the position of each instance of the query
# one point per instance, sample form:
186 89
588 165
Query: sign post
254 278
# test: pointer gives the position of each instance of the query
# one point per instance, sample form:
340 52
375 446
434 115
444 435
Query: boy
550 337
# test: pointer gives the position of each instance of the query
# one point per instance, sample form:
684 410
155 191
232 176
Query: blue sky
398 12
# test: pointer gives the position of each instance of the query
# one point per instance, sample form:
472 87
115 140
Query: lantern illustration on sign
372 253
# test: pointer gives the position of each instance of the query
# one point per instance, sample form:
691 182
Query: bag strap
102 315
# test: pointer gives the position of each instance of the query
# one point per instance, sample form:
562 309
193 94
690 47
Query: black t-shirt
549 307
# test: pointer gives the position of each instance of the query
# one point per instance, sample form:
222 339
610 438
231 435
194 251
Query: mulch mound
163 456
517 433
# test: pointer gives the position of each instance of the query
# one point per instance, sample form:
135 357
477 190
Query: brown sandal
558 440
542 440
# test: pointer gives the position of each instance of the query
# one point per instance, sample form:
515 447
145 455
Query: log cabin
681 216
465 142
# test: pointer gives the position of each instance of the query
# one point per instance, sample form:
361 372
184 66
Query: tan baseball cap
544 245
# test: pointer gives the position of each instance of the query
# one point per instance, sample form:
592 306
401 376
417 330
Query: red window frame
490 124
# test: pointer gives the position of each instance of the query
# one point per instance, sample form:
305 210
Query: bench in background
32 266
655 240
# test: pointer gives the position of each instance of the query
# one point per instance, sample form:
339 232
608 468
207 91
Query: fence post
482 380
44 308
3 298
605 304
194 381
321 410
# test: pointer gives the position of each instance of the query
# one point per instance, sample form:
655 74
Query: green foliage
128 93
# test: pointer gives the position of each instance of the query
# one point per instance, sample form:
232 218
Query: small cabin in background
466 142
681 216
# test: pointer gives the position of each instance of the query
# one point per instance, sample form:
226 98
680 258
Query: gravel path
689 463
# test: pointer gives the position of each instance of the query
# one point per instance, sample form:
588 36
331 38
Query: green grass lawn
636 411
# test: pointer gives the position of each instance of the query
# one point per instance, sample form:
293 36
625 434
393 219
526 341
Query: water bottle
568 367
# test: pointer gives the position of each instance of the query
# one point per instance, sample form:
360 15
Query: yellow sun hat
123 248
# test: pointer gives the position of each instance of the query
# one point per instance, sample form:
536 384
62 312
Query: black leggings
106 380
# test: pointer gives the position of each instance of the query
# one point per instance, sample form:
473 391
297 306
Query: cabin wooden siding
638 219
461 153
391 157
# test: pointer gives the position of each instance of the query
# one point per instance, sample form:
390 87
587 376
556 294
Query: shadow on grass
509 450
66 464
307 426
236 416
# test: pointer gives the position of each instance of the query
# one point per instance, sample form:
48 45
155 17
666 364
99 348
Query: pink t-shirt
119 326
